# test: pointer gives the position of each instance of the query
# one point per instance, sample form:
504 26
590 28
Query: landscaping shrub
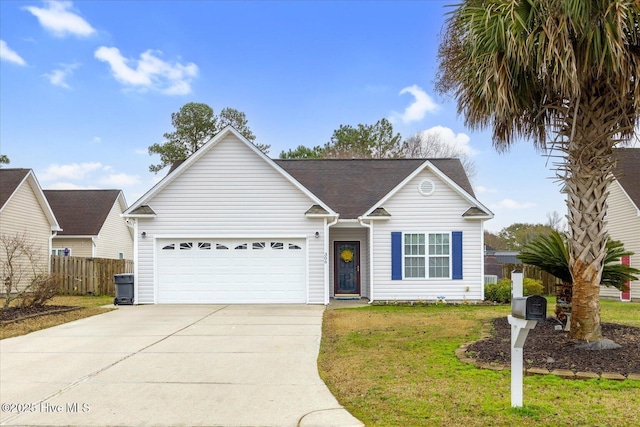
498 292
501 292
43 288
532 286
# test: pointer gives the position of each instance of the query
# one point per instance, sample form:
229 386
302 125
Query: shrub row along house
86 223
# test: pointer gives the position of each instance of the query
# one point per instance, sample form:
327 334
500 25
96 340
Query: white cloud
141 151
421 105
58 77
59 21
512 204
67 186
73 171
8 54
482 189
119 180
460 141
149 72
96 140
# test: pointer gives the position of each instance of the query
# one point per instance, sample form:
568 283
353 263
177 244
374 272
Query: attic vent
426 187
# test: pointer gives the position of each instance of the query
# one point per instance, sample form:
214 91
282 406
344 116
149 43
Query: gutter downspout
482 251
133 223
53 234
326 257
370 227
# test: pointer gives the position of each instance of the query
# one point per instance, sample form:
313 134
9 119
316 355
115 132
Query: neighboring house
24 210
230 225
623 214
92 224
494 260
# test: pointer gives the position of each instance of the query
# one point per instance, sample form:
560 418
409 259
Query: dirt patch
551 349
16 314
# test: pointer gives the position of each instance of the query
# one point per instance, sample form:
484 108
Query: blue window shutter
396 255
456 259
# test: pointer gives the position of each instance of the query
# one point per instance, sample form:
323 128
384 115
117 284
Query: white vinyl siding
23 215
440 212
360 235
115 235
623 224
230 192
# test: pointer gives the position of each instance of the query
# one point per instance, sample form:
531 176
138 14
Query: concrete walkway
172 366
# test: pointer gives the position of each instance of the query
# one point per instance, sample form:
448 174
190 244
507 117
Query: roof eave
139 215
374 218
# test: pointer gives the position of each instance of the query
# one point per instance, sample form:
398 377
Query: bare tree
555 221
431 146
22 274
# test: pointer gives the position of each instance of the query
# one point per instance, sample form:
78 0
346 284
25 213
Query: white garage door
215 271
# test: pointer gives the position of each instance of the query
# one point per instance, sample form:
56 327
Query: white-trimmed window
60 251
427 255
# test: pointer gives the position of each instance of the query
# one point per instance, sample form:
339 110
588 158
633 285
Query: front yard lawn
88 306
396 366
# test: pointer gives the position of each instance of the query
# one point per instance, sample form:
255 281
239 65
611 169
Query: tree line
197 123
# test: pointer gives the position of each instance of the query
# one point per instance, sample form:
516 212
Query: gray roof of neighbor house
81 212
352 187
627 172
9 181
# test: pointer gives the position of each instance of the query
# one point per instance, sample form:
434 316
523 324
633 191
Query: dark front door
346 262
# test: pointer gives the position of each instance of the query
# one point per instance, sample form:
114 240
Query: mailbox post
525 313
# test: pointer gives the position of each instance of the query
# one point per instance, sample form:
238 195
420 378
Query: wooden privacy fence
88 276
548 281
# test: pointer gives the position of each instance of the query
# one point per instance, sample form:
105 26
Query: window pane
414 244
438 244
414 267
439 267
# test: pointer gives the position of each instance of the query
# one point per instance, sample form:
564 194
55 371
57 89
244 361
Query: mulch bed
16 314
547 348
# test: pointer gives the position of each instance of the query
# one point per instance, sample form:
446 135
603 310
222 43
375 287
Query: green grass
90 306
396 366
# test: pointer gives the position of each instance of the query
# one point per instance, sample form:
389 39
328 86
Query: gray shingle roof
351 187
627 172
9 181
81 212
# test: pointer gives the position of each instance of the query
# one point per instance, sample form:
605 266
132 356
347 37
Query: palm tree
551 254
566 75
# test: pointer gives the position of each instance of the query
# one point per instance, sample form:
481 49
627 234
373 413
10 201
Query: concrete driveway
226 365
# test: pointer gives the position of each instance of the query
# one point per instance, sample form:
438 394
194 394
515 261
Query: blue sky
87 86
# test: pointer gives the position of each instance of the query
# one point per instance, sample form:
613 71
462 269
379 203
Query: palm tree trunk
588 162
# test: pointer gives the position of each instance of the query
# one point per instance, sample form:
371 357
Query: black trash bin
124 289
